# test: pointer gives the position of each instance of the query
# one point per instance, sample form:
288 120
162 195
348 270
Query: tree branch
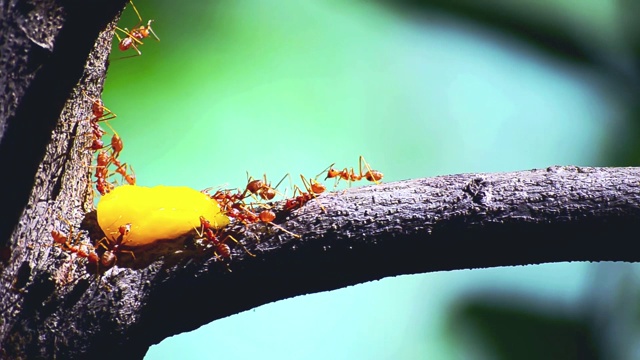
443 223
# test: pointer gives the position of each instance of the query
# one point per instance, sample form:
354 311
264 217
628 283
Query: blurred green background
420 88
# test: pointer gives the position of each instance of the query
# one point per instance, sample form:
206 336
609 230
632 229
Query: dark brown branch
444 223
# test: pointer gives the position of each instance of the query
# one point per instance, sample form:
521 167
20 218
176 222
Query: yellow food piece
157 213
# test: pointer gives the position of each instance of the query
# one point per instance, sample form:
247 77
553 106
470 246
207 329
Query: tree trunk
53 307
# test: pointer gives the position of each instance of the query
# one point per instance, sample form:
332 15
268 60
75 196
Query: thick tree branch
444 223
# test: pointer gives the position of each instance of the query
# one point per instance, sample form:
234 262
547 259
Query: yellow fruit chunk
157 213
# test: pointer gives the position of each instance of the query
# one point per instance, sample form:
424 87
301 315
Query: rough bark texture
50 51
449 222
51 307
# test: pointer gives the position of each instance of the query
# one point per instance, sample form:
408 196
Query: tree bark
53 307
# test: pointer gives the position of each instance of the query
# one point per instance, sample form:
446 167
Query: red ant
135 36
313 188
226 199
350 175
260 188
117 145
110 256
84 251
100 113
102 172
221 249
103 161
122 170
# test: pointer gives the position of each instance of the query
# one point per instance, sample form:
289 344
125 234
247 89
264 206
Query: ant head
124 229
145 30
204 222
331 173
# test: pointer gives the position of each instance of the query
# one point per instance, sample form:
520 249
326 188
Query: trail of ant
234 206
133 38
261 188
67 243
100 113
350 175
71 244
104 159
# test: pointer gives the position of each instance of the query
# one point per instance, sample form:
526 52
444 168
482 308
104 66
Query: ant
226 199
104 159
117 145
100 113
247 216
84 251
122 170
136 35
351 176
110 256
102 173
221 249
261 187
313 188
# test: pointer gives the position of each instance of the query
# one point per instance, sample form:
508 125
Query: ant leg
129 252
227 237
116 142
137 13
287 175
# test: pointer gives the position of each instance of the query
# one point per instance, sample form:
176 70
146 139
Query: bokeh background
419 88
